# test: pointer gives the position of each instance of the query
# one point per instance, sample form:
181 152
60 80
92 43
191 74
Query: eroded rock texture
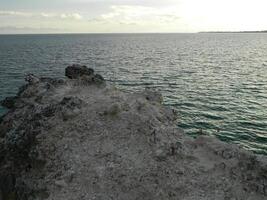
80 138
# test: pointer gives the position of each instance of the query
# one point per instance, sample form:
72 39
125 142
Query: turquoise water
216 82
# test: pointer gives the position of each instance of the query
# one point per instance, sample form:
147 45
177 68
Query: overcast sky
122 16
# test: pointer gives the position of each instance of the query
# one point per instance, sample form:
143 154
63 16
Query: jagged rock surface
80 138
76 71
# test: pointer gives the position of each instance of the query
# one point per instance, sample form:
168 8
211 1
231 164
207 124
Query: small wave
211 116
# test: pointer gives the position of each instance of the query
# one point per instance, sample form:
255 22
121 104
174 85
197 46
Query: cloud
15 29
132 15
117 18
15 13
75 16
65 16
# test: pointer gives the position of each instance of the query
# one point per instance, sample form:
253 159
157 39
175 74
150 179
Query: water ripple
217 83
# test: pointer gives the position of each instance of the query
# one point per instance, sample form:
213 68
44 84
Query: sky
131 16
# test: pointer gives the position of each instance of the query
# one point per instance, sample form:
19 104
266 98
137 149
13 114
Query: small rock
113 110
76 71
49 111
60 183
9 102
69 114
98 79
31 79
22 89
175 148
160 155
88 80
71 102
69 176
7 184
153 96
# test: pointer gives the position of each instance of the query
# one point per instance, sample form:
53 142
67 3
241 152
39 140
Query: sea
217 82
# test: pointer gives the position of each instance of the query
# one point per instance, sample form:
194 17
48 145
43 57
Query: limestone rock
72 139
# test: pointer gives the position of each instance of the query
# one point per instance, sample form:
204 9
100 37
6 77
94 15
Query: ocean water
216 82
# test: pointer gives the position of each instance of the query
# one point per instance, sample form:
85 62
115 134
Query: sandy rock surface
82 139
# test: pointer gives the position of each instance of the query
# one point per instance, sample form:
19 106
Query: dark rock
76 71
7 186
49 111
71 102
16 139
22 89
31 91
31 79
87 80
53 81
153 96
2 150
98 79
70 107
5 126
9 102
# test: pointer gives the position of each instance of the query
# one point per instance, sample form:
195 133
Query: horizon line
117 33
77 33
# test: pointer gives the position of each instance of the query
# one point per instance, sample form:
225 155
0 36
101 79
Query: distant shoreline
233 32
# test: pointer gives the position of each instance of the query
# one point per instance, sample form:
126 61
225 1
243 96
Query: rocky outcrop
80 138
83 73
76 71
